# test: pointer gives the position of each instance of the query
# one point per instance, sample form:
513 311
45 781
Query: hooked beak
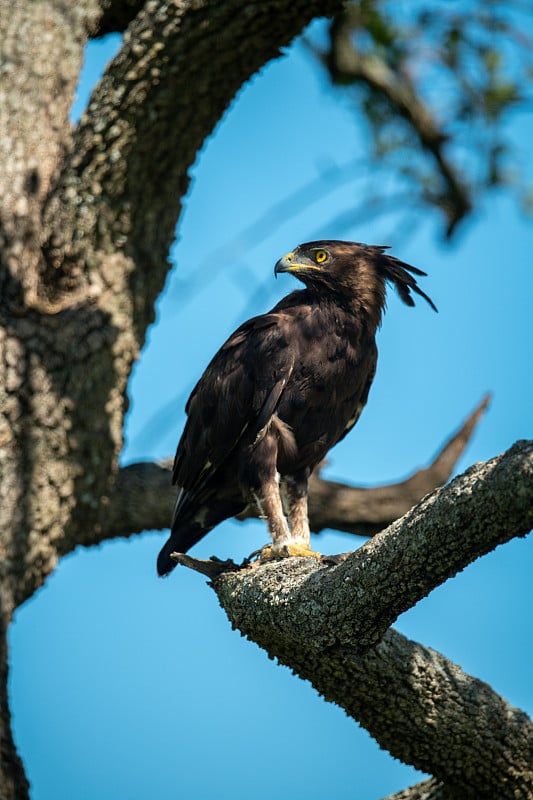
284 264
289 264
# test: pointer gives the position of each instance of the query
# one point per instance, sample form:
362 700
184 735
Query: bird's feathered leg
294 492
262 483
271 509
284 542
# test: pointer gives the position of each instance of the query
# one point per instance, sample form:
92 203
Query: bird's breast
322 402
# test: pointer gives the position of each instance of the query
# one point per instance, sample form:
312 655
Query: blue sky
126 686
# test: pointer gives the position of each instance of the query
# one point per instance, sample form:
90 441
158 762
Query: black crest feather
399 273
281 391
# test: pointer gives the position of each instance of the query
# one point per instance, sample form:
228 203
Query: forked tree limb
331 626
120 185
143 497
355 601
88 215
348 63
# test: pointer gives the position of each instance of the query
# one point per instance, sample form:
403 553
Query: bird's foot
274 552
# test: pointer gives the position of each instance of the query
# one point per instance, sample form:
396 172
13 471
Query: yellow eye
321 256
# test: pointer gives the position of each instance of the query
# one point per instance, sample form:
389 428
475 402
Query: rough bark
40 463
431 789
117 15
87 216
86 220
330 624
13 782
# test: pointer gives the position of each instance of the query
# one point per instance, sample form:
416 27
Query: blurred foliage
436 82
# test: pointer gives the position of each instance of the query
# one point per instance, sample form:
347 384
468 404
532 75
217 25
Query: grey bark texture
330 625
87 217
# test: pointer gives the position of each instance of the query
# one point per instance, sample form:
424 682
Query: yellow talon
296 549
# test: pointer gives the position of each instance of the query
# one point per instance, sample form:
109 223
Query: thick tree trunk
87 216
13 783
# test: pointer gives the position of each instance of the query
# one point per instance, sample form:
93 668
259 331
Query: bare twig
212 567
347 62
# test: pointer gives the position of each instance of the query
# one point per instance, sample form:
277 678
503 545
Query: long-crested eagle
281 391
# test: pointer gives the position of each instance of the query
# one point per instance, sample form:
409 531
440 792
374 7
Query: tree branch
116 15
179 67
38 84
427 712
431 789
487 505
109 218
347 63
13 782
142 499
143 496
365 511
325 623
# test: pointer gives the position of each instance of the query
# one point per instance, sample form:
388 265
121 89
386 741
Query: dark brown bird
283 389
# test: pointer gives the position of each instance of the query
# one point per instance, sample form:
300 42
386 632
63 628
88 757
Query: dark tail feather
180 541
165 564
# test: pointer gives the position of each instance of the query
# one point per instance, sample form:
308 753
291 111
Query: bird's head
353 270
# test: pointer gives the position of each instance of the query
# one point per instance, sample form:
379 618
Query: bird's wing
363 398
236 396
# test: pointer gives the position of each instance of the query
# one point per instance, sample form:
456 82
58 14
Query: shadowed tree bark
330 624
87 217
